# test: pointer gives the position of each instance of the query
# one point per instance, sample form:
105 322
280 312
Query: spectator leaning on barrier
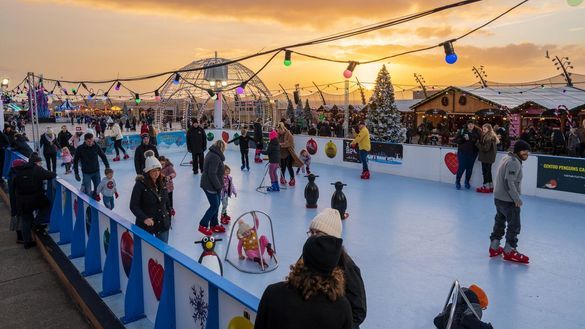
87 154
312 295
328 223
30 195
466 153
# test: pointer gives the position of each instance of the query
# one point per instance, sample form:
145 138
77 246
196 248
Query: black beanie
521 146
34 158
321 253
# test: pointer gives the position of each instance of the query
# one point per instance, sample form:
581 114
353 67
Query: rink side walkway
30 293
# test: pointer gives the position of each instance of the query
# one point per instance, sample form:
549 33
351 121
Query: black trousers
506 213
171 199
245 162
51 160
287 163
581 150
118 146
486 170
197 161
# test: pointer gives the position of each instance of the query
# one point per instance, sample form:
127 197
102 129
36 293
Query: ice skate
117 158
515 256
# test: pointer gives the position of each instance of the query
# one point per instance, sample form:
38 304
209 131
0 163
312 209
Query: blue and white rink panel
411 237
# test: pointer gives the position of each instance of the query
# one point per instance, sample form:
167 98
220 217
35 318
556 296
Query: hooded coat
488 147
213 169
150 202
287 148
27 186
139 159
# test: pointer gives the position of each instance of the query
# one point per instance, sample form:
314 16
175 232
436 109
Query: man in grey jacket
507 199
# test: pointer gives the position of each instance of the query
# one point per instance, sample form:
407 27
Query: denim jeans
163 236
466 161
109 202
210 217
507 213
88 179
364 159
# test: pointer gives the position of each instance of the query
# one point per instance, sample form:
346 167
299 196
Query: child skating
306 160
244 141
273 152
226 193
169 173
67 159
107 188
464 316
252 248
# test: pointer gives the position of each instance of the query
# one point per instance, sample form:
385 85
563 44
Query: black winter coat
487 149
355 292
212 173
463 317
258 136
63 139
20 145
196 140
88 155
244 142
49 148
4 141
139 159
147 202
273 151
467 145
283 307
27 187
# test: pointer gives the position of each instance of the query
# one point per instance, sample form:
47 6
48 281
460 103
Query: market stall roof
404 105
66 106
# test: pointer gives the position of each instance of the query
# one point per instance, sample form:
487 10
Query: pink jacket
228 187
66 158
170 173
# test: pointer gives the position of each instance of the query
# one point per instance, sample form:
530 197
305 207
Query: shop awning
435 112
489 113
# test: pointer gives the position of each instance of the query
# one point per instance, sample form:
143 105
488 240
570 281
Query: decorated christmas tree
307 113
383 119
290 113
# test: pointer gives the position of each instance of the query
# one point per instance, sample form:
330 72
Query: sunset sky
99 39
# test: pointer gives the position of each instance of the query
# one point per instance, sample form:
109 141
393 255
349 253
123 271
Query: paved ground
30 294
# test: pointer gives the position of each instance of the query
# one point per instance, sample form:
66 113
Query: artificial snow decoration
200 306
290 112
307 113
383 119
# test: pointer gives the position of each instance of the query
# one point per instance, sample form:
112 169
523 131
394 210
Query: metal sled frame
454 296
273 242
262 188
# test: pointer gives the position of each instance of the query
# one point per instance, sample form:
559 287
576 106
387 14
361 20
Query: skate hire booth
159 285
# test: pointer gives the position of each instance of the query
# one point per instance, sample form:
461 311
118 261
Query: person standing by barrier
581 136
15 218
30 194
508 204
487 146
362 140
312 295
466 153
117 137
87 154
212 184
49 144
149 201
258 139
139 158
196 145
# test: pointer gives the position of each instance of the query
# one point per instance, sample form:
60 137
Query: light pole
3 86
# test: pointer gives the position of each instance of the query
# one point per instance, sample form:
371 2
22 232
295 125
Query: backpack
25 184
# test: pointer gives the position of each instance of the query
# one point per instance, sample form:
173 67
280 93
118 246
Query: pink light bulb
347 74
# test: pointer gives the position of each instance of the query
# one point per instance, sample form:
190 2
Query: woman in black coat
50 146
212 184
150 202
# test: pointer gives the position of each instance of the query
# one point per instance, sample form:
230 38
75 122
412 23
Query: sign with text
561 174
387 153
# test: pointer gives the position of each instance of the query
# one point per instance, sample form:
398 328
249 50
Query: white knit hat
151 161
328 222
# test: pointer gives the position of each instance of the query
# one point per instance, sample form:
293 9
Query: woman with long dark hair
150 202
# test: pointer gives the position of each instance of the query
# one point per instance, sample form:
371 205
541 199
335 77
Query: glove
116 194
77 177
98 198
173 212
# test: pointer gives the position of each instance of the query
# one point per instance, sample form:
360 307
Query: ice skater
226 193
508 203
66 159
273 152
244 141
252 247
362 140
169 173
306 159
107 188
464 316
288 157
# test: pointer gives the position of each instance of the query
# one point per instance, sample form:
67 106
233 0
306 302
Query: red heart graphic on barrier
225 136
126 252
156 273
452 162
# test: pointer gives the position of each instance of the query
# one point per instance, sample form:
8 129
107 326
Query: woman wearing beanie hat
149 201
312 295
464 317
507 199
328 223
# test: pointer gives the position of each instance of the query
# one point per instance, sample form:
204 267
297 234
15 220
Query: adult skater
288 156
139 158
50 146
362 140
312 295
87 153
328 223
150 202
212 184
508 204
258 139
466 152
196 145
487 145
117 137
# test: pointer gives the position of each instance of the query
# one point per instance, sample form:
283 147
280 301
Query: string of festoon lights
176 77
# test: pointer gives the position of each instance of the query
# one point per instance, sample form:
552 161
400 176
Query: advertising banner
387 153
561 174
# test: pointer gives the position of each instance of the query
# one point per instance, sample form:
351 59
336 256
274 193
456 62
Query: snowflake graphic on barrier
199 304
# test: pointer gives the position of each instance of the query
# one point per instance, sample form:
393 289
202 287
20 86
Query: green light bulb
574 3
138 100
287 62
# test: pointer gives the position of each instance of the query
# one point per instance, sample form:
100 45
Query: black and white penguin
208 257
311 192
338 200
